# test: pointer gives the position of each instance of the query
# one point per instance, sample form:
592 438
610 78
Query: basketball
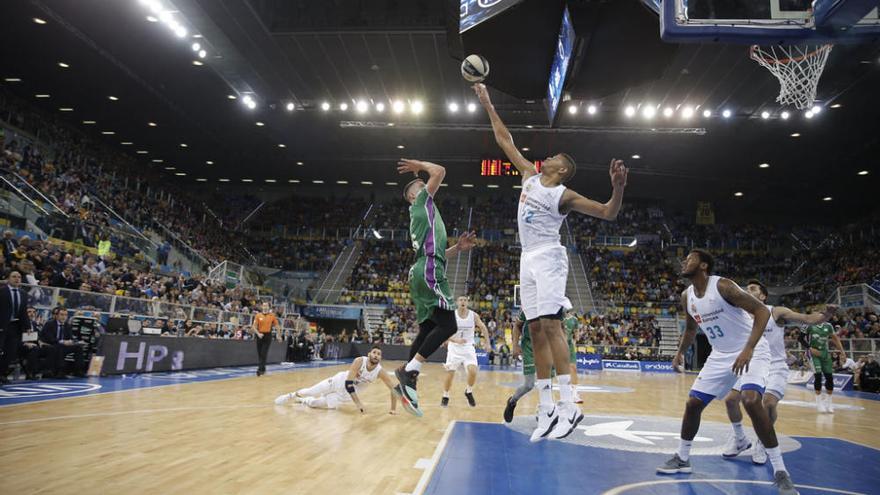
475 68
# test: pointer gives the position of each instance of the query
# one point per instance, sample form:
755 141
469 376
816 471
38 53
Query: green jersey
819 335
570 324
426 228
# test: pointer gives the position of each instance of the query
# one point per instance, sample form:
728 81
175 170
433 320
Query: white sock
684 449
775 456
414 364
446 393
545 393
564 382
468 390
738 431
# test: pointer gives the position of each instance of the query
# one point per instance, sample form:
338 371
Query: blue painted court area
486 458
41 390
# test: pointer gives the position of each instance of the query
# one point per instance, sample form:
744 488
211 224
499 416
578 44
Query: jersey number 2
528 216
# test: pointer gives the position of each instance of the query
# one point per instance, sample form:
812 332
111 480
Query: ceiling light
89 122
453 107
247 180
300 163
196 47
251 104
863 172
400 146
151 124
530 126
380 107
181 174
112 98
183 145
765 115
126 143
201 180
472 107
738 194
317 182
572 109
271 181
784 115
199 36
836 105
525 149
416 107
827 198
816 109
764 165
12 79
517 186
630 111
668 111
197 62
649 111
362 106
366 183
108 133
391 183
636 157
342 182
325 106
808 114
707 113
726 113
343 106
467 185
170 168
65 109
492 186
398 106
37 20
63 65
687 112
260 124
231 97
223 180
391 124
290 106
203 54
152 19
796 134
282 145
157 160
209 162
180 31
141 152
293 181
41 96
592 109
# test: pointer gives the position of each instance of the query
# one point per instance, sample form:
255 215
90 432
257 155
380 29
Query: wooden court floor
227 436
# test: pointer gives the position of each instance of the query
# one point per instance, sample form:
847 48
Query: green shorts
429 288
528 354
823 363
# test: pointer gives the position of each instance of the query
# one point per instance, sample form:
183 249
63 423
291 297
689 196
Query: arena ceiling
301 54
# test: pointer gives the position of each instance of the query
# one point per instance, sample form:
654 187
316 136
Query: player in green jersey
570 325
428 286
817 337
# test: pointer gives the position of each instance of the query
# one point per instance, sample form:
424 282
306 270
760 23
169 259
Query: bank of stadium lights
471 107
325 106
398 106
290 106
380 107
726 113
453 107
765 115
249 102
707 113
687 112
668 111
343 106
808 114
629 111
572 109
416 107
649 111
784 115
362 106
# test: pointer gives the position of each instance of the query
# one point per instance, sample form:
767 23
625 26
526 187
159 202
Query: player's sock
413 364
468 390
545 393
684 449
526 387
775 456
738 431
446 393
564 382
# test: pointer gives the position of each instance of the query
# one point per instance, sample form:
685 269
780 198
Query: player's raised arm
349 382
465 243
687 337
388 383
786 315
435 172
502 135
572 201
735 296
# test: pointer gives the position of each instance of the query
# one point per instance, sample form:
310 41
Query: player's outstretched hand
483 94
618 173
830 309
406 165
677 362
741 365
466 241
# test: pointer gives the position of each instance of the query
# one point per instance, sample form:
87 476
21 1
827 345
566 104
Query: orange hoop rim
773 61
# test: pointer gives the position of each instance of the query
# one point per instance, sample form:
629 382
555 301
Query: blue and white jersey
727 327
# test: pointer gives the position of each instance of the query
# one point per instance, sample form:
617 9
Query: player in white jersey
461 352
543 206
344 386
734 323
777 378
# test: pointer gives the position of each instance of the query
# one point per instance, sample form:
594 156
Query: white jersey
727 327
775 336
364 377
538 215
466 327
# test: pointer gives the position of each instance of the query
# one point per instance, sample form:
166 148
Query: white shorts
460 355
543 275
331 390
777 379
716 378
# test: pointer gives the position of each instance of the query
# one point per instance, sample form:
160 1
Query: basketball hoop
798 69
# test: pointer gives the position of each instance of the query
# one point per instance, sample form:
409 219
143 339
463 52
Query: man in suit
9 244
13 318
57 333
37 355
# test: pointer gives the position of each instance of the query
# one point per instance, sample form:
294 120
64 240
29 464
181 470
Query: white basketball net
798 69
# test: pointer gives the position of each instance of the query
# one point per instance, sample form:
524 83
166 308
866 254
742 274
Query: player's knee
695 404
732 399
752 400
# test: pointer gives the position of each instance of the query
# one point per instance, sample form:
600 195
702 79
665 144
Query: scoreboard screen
501 168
